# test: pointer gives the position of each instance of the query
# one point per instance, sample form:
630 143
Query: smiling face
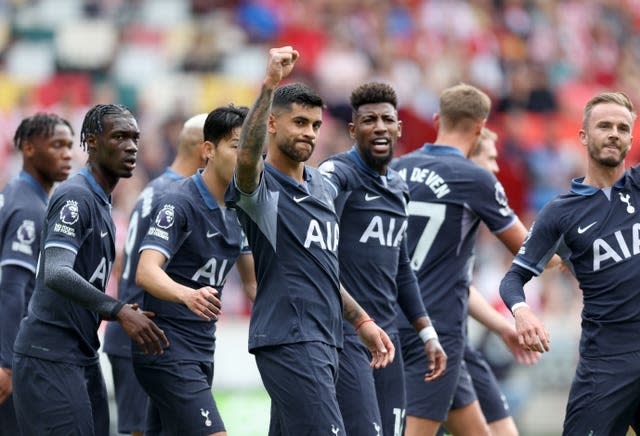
607 134
295 130
376 129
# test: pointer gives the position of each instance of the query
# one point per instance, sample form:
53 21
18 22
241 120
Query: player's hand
6 387
532 335
436 358
142 330
522 356
204 302
379 345
281 62
147 313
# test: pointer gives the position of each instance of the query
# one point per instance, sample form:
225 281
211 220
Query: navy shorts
492 401
434 399
301 381
56 398
131 399
8 420
180 393
356 390
390 388
604 396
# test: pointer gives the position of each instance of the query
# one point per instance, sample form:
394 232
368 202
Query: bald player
131 399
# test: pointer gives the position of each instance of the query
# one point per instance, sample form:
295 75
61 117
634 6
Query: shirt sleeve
14 285
409 297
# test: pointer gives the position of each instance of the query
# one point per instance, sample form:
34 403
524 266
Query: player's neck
463 141
184 167
215 184
105 179
286 166
601 176
45 183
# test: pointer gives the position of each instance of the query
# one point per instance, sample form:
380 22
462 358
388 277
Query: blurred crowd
539 60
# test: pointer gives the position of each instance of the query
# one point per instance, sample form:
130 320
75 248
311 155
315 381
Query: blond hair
462 103
485 134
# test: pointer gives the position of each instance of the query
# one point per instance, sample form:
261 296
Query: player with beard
374 264
596 225
57 380
286 209
45 141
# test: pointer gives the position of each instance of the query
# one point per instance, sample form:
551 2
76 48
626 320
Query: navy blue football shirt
450 195
599 231
23 203
293 233
373 249
201 242
78 219
116 341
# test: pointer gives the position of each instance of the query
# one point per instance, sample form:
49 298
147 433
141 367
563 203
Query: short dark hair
92 124
373 92
221 121
40 124
299 93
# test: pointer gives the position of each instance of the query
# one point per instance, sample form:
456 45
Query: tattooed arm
254 131
373 337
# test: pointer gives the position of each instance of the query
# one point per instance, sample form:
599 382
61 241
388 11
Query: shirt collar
441 149
170 173
306 174
355 156
31 181
578 186
95 186
204 191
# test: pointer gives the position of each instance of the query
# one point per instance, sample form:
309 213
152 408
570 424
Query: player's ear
436 121
352 130
399 128
92 143
208 150
583 137
271 124
28 149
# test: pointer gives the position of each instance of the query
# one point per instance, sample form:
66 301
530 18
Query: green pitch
244 412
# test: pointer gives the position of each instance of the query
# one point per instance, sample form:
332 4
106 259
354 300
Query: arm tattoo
351 310
252 139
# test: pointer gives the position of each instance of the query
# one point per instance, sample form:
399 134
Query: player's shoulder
337 163
395 180
76 188
634 175
12 193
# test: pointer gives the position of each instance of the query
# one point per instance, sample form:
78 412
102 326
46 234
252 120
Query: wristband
518 306
116 308
428 333
363 321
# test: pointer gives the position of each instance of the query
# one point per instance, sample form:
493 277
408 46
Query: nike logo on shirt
103 234
581 230
299 199
212 234
368 197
